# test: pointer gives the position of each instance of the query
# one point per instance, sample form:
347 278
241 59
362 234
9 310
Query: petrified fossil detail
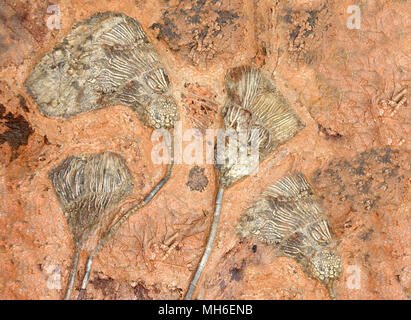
396 102
87 186
256 106
255 109
289 217
105 60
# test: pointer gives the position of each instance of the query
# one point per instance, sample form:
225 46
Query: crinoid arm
119 222
87 186
288 216
286 213
243 85
290 187
255 106
248 89
103 61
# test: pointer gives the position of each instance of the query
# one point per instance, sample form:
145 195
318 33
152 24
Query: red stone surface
355 150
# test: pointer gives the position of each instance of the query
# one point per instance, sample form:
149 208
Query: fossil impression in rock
105 60
87 187
255 106
289 217
255 109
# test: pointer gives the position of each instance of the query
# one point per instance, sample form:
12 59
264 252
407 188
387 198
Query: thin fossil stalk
105 60
289 217
87 187
72 275
255 109
112 231
211 236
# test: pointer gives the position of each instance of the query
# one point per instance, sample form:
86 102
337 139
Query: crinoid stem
331 291
114 228
207 251
72 275
87 273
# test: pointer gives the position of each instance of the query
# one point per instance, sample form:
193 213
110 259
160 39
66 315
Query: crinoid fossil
256 110
106 60
87 187
289 217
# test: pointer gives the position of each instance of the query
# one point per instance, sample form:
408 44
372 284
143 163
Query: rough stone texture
346 85
201 30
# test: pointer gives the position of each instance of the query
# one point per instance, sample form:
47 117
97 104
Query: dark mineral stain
197 180
18 131
287 17
364 185
329 133
237 273
294 33
141 292
371 203
225 16
4 47
366 182
313 17
107 286
387 155
46 141
222 285
366 235
169 30
303 23
187 17
166 28
23 103
102 283
195 19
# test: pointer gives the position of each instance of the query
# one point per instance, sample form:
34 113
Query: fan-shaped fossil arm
87 186
114 228
289 217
